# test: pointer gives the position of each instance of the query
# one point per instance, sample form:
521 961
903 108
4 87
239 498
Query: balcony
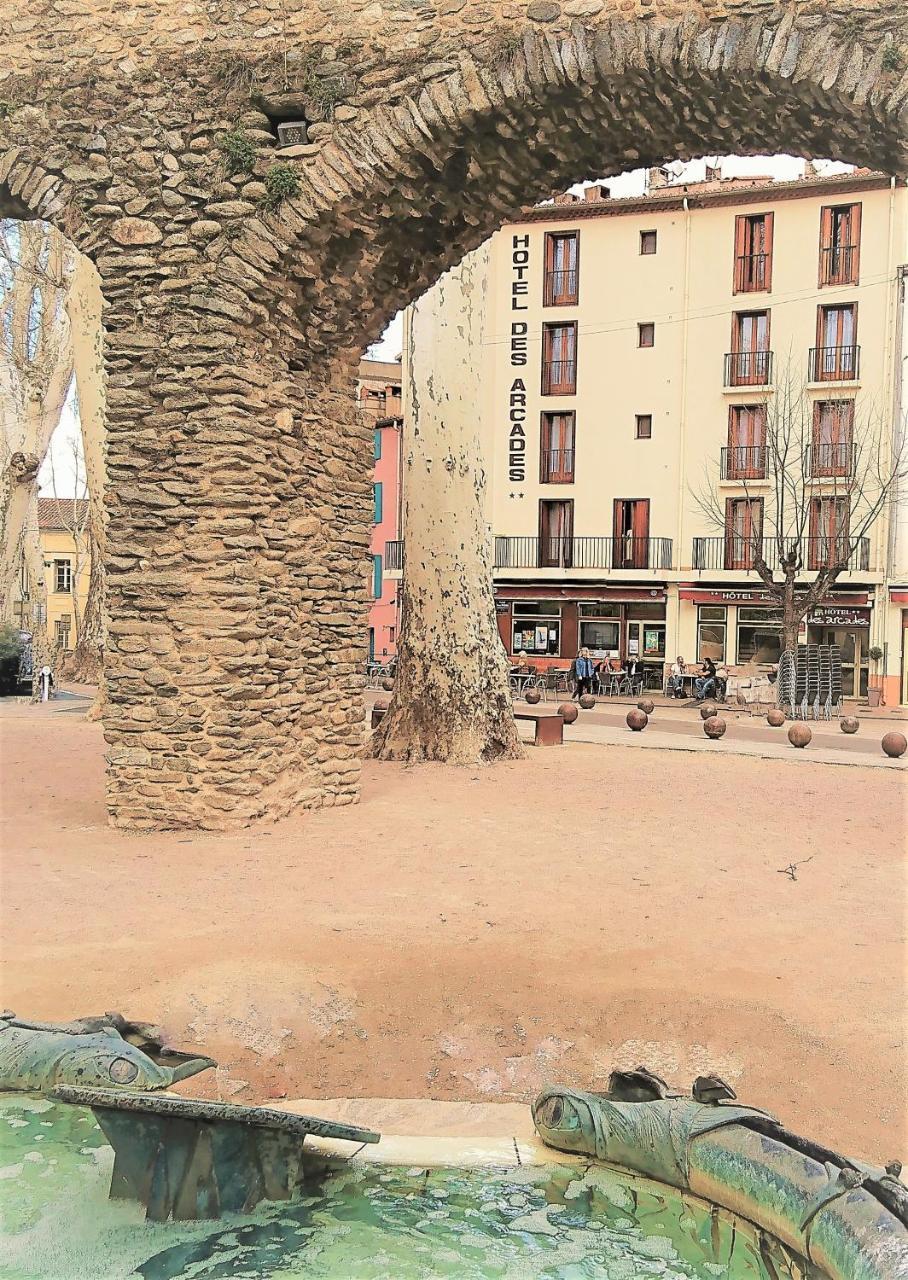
828 461
750 273
834 364
748 368
560 288
394 556
743 462
583 553
738 553
559 377
556 466
839 264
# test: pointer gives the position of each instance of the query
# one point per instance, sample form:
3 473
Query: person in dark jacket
705 685
582 669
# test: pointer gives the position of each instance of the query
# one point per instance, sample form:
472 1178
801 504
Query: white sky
781 168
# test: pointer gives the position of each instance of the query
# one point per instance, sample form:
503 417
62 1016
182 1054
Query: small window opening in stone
646 334
647 242
644 427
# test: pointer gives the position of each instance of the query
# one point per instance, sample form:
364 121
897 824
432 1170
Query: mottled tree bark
451 700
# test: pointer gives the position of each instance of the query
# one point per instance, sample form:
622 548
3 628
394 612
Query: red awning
747 596
898 595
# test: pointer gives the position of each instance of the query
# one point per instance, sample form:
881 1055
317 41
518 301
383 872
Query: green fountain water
361 1223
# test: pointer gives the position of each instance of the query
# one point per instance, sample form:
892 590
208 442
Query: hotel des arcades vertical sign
517 395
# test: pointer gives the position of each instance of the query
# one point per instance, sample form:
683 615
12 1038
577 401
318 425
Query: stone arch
238 487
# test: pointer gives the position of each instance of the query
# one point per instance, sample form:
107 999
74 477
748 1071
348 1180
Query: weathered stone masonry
238 495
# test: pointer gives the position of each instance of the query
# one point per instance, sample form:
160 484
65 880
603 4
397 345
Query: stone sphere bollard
532 696
775 717
568 712
707 711
849 724
799 734
714 727
894 744
637 719
387 683
587 701
647 706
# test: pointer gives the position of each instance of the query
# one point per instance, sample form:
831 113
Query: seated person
675 686
705 684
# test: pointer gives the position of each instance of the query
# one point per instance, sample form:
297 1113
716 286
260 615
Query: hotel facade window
832 450
562 275
631 533
749 363
753 252
643 426
829 537
556 534
840 244
745 457
559 359
556 448
743 531
646 334
836 356
712 626
536 628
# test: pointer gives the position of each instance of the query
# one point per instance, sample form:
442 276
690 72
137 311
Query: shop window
600 628
561 287
753 252
648 242
644 426
63 576
711 632
759 635
536 628
559 359
646 334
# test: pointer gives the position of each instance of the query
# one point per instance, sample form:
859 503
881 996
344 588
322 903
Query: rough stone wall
238 471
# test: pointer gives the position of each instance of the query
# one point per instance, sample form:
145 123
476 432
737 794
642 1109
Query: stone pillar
238 501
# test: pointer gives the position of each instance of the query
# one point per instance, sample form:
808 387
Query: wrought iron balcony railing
831 460
750 272
556 466
559 377
583 553
838 264
748 368
740 553
560 288
834 364
743 462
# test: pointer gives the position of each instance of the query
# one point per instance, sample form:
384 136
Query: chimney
713 173
596 192
810 169
657 178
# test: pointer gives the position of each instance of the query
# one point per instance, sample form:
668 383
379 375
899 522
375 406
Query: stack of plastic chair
835 675
825 699
812 704
786 682
801 688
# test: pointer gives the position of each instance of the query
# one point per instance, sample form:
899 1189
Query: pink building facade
380 397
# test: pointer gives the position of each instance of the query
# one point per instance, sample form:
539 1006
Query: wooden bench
549 725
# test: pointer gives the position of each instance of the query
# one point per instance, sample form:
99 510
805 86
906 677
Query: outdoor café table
521 678
689 677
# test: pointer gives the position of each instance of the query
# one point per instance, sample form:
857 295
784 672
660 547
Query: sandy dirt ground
469 934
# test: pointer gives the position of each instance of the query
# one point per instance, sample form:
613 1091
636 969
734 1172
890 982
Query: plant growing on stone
892 58
281 183
6 109
238 150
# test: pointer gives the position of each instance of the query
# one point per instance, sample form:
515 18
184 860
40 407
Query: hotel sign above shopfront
854 600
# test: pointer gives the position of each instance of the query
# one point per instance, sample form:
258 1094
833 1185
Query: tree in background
815 478
36 370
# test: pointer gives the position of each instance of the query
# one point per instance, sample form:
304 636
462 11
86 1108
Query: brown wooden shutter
825 241
856 241
640 527
767 240
740 251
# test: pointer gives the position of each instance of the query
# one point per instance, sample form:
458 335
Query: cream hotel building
624 352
